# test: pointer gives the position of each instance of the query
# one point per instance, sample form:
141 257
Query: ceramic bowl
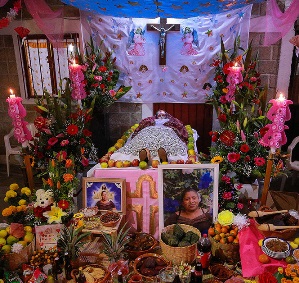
109 218
276 248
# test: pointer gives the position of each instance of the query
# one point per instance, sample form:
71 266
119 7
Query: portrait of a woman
190 212
105 203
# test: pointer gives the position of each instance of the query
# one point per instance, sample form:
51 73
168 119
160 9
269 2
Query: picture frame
174 178
115 189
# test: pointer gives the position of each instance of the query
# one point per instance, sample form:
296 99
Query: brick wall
121 115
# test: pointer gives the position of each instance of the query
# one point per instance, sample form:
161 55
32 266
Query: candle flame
11 91
74 62
281 97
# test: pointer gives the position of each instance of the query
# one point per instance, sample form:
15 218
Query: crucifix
163 28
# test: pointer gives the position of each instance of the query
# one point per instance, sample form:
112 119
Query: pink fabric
51 23
250 251
3 2
275 24
133 177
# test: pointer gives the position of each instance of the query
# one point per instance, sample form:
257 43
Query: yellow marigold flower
6 212
22 201
24 207
6 199
217 159
293 273
283 280
14 186
296 279
53 163
289 281
13 208
11 194
19 208
82 150
26 191
68 177
68 163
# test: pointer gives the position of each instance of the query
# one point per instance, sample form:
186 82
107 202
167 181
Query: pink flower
84 161
233 157
98 78
259 161
112 92
227 195
64 142
52 141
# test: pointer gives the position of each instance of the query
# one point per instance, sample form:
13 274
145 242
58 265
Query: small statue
162 39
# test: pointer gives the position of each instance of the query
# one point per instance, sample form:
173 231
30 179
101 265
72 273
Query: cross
163 28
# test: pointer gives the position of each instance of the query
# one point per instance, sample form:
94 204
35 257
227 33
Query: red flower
84 161
227 137
40 122
247 158
259 161
233 157
63 204
226 179
244 148
222 117
226 66
239 186
87 133
227 195
52 141
102 86
263 131
82 141
72 129
102 69
61 155
240 205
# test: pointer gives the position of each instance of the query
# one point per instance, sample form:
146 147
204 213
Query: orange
217 237
211 231
222 235
263 258
223 241
230 239
218 225
224 229
233 232
217 230
236 241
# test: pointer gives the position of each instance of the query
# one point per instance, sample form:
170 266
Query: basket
180 254
225 252
15 260
286 234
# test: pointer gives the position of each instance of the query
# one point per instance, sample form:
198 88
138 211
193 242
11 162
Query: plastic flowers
226 217
17 200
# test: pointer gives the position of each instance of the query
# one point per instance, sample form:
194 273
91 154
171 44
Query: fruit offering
15 233
224 233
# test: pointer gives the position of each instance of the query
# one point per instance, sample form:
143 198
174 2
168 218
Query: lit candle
12 95
77 79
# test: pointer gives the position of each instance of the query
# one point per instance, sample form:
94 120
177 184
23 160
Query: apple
180 161
111 163
135 162
171 162
155 163
104 159
189 161
119 164
143 165
127 163
104 164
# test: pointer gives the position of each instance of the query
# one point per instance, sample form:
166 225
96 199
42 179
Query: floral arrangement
100 77
61 183
63 130
17 200
290 274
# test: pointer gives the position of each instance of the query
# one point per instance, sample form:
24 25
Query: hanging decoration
22 32
13 12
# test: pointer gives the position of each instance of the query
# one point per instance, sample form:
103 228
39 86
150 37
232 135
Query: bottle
59 270
204 249
192 276
120 277
67 266
81 277
198 270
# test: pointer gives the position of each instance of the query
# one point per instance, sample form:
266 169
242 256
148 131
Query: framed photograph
106 194
174 180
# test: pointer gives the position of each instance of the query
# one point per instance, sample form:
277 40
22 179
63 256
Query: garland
13 12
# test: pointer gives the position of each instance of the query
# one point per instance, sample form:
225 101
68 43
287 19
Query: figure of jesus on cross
163 28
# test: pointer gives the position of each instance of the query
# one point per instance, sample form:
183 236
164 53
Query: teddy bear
43 202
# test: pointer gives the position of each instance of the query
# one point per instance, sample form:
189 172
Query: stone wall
121 115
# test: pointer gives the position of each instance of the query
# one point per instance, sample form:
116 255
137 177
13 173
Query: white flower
17 248
241 221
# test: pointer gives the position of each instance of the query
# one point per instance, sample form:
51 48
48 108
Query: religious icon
137 37
189 37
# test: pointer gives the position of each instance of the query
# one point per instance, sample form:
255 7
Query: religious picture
105 194
189 38
188 194
137 38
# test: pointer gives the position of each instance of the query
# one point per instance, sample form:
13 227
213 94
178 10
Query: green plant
71 241
114 243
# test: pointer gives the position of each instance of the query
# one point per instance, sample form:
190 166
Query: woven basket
225 252
180 254
15 260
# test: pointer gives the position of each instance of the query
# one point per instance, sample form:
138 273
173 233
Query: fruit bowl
276 248
109 218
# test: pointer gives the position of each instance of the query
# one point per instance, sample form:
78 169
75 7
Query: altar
142 205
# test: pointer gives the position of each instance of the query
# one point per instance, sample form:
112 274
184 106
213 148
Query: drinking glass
167 275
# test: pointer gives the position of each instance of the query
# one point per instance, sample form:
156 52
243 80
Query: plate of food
276 248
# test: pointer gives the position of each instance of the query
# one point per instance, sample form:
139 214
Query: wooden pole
267 179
